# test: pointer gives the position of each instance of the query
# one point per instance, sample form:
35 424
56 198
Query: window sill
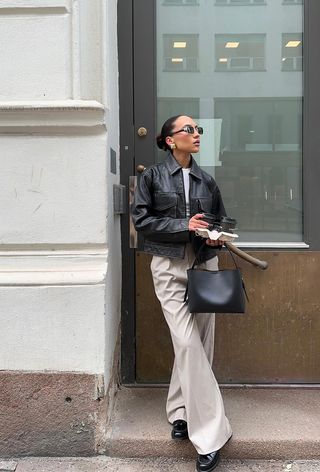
275 245
291 70
241 5
241 70
180 4
179 71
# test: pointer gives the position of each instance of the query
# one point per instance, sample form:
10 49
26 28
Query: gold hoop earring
173 146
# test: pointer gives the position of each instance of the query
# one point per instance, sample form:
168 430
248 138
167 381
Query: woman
168 206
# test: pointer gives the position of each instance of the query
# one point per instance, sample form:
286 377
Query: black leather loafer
179 430
208 462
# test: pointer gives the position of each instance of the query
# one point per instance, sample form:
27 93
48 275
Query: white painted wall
60 256
53 189
52 328
35 51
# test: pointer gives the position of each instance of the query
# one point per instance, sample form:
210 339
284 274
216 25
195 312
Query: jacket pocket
204 204
166 203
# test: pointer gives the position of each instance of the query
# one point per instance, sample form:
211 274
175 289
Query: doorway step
267 423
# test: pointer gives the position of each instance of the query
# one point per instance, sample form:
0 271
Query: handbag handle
202 246
196 261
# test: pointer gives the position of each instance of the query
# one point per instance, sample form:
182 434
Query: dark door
202 58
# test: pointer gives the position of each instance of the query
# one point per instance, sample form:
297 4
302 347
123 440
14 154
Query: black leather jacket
159 208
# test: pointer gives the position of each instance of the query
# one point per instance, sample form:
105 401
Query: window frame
311 125
243 3
181 3
292 2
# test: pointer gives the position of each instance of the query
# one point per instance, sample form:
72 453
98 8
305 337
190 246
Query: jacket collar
173 166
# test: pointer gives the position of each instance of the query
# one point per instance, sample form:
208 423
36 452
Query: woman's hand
211 242
196 222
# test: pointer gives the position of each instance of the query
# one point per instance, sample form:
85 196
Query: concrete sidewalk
268 423
102 464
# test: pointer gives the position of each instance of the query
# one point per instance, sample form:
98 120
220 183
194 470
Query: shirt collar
174 166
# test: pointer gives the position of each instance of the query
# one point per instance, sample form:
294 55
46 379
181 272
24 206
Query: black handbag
215 291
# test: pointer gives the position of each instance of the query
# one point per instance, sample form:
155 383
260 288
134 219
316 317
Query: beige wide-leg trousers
194 394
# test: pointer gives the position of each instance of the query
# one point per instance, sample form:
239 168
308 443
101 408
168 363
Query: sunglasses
189 129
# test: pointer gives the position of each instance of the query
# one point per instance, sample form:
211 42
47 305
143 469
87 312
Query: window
241 2
181 2
261 167
180 53
242 52
292 2
252 144
292 52
261 124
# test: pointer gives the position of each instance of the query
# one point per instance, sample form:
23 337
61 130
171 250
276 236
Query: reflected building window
292 58
292 2
180 53
260 172
273 124
180 2
241 2
241 52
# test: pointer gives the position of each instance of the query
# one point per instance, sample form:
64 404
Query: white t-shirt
186 182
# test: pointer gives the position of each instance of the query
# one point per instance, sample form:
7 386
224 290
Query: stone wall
60 253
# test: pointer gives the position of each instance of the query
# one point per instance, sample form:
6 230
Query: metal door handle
140 168
133 179
133 236
142 131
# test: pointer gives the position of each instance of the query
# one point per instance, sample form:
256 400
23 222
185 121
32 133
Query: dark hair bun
166 131
160 142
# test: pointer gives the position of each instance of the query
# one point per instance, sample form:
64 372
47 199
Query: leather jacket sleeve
217 203
154 227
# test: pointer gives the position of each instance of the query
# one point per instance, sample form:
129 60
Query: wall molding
83 113
31 6
34 7
48 268
33 11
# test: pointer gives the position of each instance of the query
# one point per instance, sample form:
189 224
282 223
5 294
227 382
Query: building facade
85 85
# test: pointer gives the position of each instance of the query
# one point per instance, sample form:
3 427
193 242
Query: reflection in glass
180 53
292 2
292 51
180 2
240 2
242 52
252 141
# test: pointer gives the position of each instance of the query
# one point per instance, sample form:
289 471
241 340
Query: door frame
132 115
126 105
